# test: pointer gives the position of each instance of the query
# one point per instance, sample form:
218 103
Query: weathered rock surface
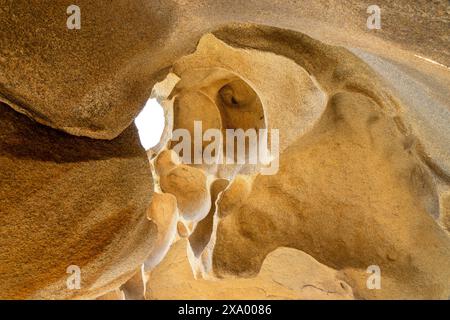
364 158
285 274
189 186
68 201
355 187
134 288
116 294
163 213
348 194
93 81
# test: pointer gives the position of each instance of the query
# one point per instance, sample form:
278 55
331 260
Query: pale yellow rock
201 235
116 294
285 274
349 204
356 186
134 288
445 210
165 162
189 185
163 213
245 96
364 158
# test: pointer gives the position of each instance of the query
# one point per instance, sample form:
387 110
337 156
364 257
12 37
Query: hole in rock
150 123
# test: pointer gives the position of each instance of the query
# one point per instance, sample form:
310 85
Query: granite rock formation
66 201
362 160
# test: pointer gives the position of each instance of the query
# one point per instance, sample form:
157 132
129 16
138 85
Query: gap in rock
150 123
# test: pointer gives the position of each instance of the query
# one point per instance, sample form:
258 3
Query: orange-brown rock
361 169
65 201
93 81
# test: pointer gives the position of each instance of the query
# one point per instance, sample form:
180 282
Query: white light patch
150 123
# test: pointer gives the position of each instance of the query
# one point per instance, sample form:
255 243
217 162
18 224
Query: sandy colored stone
163 213
285 274
134 288
201 235
351 202
189 185
67 201
93 81
89 82
355 188
239 89
445 210
116 294
364 158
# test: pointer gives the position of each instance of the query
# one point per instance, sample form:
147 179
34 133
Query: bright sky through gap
150 123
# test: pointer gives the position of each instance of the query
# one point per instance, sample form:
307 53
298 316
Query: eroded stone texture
354 189
285 274
364 158
93 81
201 235
189 186
70 201
341 197
241 93
163 213
134 288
